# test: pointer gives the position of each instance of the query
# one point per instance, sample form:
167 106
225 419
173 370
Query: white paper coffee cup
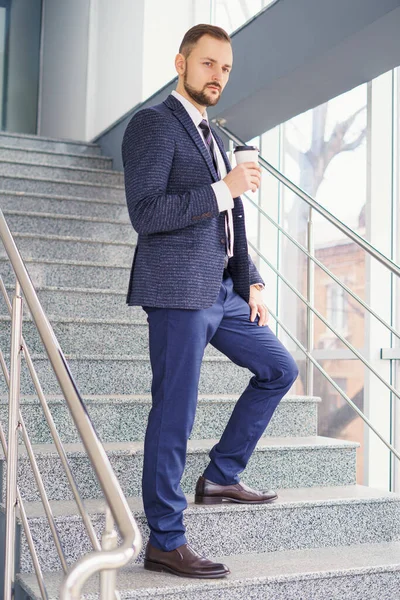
246 154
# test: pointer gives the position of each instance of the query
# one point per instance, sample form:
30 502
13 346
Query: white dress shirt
221 190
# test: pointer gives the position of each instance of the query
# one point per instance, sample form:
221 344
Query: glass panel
324 153
336 418
346 260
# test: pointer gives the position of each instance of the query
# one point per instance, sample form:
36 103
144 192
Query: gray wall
23 67
64 73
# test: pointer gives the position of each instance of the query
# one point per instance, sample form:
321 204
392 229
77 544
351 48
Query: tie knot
205 126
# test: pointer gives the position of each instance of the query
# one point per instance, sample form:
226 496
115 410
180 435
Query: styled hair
193 35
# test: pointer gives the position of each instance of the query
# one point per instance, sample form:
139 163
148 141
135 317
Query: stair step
124 418
359 572
81 189
91 303
66 273
125 374
9 168
79 336
47 157
300 518
278 462
63 205
104 230
37 246
51 144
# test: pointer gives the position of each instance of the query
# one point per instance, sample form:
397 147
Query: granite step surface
277 462
124 418
104 230
81 189
63 146
80 336
360 572
9 168
67 273
300 518
90 303
47 157
127 374
38 246
64 205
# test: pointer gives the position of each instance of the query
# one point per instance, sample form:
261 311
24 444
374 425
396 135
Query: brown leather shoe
208 492
183 561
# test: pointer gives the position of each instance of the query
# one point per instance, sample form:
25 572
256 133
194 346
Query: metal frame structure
105 558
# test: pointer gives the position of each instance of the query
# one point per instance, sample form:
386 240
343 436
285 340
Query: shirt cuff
223 195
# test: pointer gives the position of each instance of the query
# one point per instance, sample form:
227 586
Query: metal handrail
335 385
38 479
54 433
358 239
325 269
24 519
325 322
129 531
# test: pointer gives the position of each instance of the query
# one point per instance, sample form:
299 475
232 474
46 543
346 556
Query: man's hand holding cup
247 173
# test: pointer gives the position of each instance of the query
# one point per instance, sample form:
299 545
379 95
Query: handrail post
108 578
12 454
310 298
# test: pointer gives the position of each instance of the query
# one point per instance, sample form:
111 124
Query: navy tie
204 126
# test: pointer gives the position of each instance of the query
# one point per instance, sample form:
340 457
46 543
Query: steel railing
312 260
106 557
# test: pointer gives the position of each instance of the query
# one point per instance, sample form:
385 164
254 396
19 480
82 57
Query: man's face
207 70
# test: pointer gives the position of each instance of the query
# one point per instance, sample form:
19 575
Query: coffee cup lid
241 148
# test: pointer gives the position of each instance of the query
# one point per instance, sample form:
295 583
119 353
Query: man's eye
207 63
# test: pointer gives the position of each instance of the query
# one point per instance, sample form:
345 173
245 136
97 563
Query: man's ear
180 64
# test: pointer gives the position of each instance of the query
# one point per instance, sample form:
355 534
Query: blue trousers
177 339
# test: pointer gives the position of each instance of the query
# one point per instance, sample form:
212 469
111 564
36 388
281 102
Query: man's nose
217 73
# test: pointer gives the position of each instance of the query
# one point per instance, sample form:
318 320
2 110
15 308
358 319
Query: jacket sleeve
147 155
255 276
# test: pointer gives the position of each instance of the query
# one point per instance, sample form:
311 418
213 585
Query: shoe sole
160 568
221 499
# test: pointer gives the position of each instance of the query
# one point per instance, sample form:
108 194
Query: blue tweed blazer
179 257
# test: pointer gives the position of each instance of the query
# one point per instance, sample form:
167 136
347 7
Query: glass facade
345 155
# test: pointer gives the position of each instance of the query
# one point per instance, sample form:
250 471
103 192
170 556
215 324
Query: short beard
199 97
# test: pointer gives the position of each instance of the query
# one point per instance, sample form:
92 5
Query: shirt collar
194 113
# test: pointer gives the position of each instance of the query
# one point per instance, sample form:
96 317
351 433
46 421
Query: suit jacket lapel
182 115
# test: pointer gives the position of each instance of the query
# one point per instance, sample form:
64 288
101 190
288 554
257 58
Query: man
193 276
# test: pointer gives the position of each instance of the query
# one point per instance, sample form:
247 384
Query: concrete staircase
324 538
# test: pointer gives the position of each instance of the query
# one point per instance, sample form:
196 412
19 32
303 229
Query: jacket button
222 240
